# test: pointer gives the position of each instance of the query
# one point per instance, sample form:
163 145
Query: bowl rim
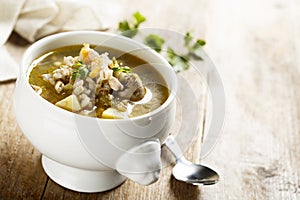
35 46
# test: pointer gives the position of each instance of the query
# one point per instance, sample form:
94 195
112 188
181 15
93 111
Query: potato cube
112 113
70 103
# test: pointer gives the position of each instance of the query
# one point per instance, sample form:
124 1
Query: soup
98 82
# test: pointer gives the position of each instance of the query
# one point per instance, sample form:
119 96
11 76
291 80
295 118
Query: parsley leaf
178 62
194 49
126 30
124 26
130 33
155 42
187 38
139 18
131 29
199 43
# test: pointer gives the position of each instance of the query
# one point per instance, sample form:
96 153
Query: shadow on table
183 190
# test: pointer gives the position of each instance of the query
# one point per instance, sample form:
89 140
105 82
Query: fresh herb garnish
131 29
187 38
124 26
155 42
124 69
81 73
178 62
199 44
74 75
139 18
78 64
193 49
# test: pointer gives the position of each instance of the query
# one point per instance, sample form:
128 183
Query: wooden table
256 47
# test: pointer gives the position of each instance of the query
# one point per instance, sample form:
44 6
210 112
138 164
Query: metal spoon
187 171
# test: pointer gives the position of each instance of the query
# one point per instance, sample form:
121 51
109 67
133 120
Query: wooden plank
254 47
21 174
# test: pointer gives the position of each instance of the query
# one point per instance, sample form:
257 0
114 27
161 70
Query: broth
149 76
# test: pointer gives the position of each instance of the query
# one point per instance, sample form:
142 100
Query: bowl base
81 180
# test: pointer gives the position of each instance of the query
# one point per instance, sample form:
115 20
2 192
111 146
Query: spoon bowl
187 171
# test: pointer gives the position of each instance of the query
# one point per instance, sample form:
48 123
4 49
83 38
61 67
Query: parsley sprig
179 62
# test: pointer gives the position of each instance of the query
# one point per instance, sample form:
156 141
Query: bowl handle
141 163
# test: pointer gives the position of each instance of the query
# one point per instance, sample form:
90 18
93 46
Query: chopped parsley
124 69
78 64
81 72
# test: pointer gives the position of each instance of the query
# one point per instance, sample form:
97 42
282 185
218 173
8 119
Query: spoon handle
172 145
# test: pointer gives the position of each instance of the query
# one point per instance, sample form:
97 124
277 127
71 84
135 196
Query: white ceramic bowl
83 153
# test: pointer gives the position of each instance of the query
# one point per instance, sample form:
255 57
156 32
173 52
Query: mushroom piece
133 87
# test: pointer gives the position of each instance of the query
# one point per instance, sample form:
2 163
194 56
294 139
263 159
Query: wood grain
256 48
21 173
258 153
